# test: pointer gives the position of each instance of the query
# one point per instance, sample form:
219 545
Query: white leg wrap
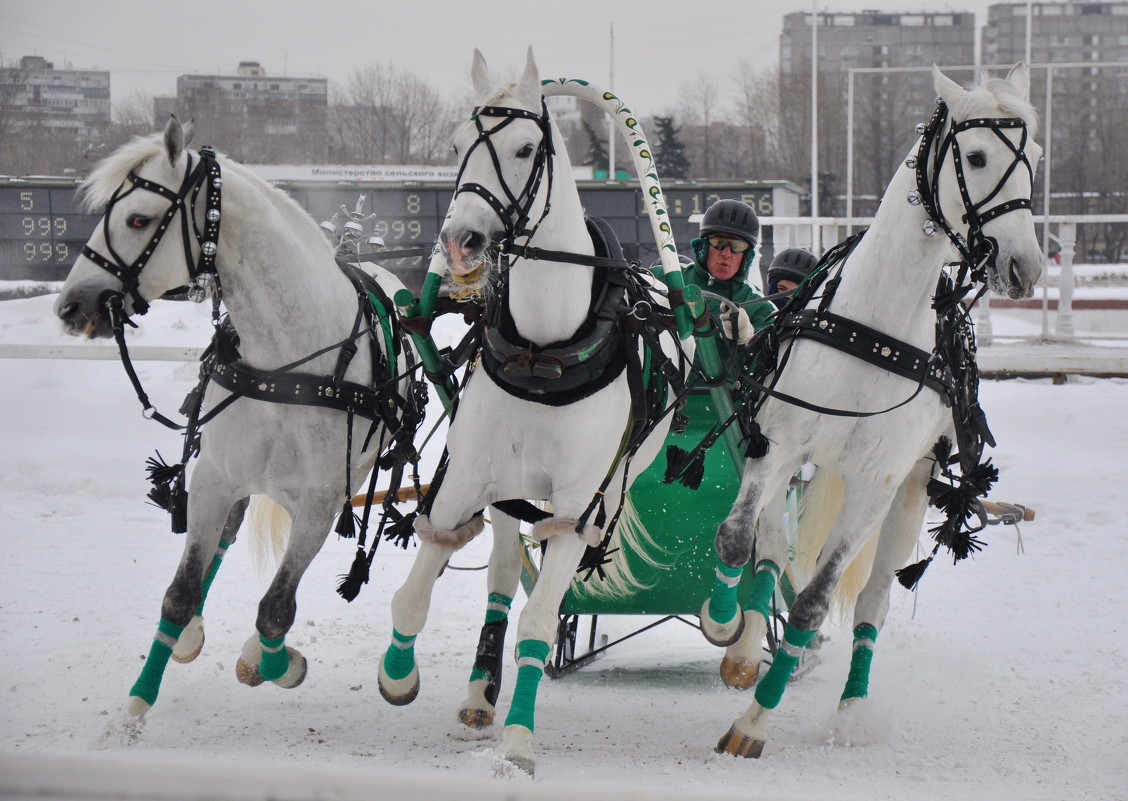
552 526
451 540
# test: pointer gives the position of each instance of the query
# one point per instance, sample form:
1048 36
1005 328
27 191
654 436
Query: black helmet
731 217
793 264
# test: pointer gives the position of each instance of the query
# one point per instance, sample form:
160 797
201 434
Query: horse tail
619 578
819 505
269 526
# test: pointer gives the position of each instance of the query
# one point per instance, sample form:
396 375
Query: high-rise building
253 116
37 94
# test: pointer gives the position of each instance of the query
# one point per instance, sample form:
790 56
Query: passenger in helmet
723 253
788 269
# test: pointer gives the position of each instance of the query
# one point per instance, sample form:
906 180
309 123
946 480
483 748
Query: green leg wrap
148 684
763 586
399 660
531 656
274 660
497 609
723 606
770 689
857 683
217 560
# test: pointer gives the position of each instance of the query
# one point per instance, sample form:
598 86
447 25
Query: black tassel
161 473
694 472
350 584
226 346
191 401
910 575
161 497
757 443
401 531
346 522
677 461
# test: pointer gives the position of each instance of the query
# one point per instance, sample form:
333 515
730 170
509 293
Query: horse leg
477 710
722 621
265 655
207 513
191 640
536 632
899 534
748 734
741 663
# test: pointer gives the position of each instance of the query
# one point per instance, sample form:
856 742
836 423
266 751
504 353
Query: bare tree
698 104
384 115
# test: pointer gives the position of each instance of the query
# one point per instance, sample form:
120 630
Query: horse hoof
476 718
248 673
516 764
721 634
398 692
190 642
295 674
739 745
738 674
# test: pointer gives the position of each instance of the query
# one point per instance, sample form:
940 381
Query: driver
723 253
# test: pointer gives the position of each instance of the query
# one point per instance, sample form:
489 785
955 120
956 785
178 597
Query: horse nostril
472 241
68 311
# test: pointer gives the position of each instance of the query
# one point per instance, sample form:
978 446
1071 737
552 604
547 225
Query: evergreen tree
597 151
669 151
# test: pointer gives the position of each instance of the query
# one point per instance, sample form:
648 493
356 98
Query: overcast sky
658 44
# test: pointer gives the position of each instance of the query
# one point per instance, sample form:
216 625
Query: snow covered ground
1001 677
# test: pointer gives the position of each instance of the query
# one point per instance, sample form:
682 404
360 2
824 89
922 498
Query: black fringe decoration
226 345
350 583
685 467
402 531
757 446
346 522
910 575
161 473
161 497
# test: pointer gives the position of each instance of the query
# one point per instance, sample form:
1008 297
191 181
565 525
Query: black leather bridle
977 250
204 173
516 211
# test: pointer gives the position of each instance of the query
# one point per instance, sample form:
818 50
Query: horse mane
992 97
513 88
112 171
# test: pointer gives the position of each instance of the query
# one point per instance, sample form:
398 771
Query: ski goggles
721 242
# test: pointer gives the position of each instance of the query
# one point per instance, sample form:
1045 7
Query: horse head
984 191
127 258
504 151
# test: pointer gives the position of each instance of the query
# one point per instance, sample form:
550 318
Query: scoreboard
42 227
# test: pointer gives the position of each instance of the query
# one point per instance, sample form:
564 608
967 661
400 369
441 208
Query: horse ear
531 78
173 139
189 131
479 74
1019 78
945 86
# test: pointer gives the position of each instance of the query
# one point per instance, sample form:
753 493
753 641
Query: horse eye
525 152
138 221
976 159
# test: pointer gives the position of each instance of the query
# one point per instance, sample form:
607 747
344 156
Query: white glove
743 325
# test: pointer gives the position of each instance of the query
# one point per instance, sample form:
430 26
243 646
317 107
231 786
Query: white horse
173 216
972 180
530 423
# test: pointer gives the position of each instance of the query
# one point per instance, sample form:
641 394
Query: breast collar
564 372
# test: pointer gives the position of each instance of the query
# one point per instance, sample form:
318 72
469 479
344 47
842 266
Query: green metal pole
408 307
